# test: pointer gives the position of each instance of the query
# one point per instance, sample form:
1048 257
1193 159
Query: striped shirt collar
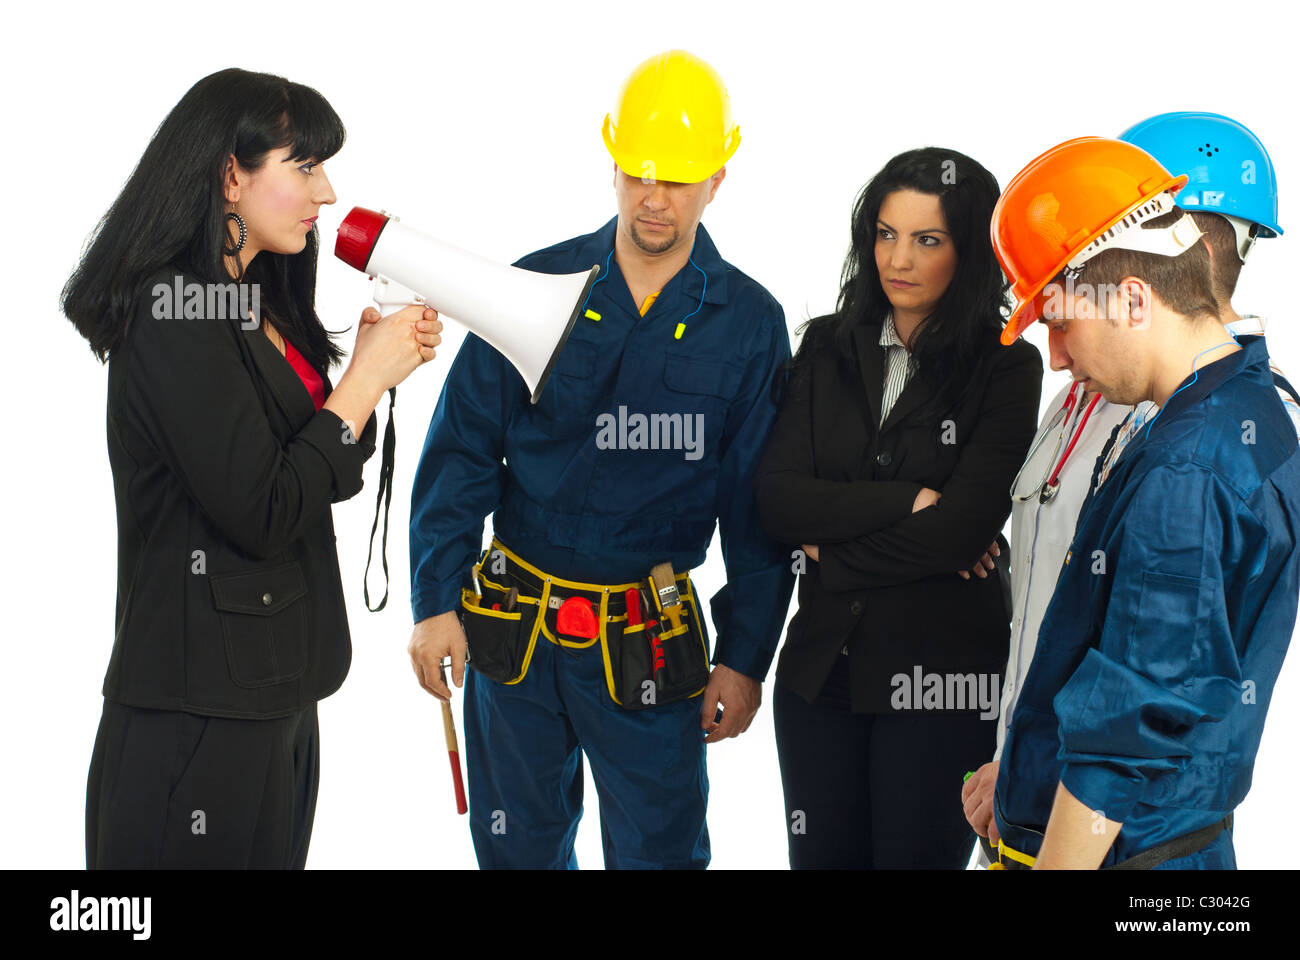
889 333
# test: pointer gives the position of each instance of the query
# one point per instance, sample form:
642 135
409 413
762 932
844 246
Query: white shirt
1041 534
899 366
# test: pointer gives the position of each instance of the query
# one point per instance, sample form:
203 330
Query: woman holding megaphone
228 444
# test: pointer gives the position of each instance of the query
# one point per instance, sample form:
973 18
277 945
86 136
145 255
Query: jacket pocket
263 617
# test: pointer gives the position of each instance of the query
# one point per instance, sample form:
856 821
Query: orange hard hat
1069 202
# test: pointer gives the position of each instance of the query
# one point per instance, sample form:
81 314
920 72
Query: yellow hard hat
672 121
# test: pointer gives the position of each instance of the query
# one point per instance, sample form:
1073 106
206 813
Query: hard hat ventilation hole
1155 206
1146 211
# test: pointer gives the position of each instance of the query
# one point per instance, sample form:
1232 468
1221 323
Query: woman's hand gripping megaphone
394 339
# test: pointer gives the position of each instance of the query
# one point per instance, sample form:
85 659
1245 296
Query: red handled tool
453 749
633 600
652 633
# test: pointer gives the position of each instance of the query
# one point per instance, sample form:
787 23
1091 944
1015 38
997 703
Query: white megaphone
526 315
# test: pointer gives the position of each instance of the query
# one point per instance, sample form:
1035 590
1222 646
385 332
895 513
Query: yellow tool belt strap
578 585
609 597
1018 860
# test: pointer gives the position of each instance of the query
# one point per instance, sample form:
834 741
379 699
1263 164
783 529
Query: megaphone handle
391 297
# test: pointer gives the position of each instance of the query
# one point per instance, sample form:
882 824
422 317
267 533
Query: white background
481 124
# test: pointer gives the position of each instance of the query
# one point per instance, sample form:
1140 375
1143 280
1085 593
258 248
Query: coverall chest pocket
572 388
264 622
698 392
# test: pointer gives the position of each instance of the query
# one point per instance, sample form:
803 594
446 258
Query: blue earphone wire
700 305
605 275
1195 374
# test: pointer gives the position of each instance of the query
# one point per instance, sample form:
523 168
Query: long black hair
961 332
172 210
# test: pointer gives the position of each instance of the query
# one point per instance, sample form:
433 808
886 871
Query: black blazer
229 601
886 584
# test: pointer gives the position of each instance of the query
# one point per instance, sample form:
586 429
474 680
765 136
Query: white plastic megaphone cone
526 315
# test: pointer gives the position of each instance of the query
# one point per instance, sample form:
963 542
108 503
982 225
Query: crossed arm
872 533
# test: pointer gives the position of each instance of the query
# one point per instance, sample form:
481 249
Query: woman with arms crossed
903 424
228 444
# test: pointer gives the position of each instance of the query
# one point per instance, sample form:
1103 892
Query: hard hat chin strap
1246 232
1127 234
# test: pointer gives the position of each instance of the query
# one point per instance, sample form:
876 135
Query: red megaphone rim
357 236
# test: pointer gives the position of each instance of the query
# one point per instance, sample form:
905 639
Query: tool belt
513 603
1006 858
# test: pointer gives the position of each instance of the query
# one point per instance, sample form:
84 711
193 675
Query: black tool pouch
630 657
500 642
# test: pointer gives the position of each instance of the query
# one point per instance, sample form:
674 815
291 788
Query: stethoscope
1046 489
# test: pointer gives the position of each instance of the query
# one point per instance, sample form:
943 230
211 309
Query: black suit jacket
886 584
229 601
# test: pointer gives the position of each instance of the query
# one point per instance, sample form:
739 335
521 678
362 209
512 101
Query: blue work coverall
1158 654
605 515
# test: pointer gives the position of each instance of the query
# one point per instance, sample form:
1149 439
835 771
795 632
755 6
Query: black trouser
866 791
172 789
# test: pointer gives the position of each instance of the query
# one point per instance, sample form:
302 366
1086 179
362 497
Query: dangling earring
243 235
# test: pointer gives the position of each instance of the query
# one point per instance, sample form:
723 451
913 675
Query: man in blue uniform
1232 197
646 435
1138 723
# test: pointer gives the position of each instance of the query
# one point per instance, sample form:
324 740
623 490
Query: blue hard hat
1228 169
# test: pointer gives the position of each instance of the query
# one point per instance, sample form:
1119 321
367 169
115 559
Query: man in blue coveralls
1137 727
1232 197
584 507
